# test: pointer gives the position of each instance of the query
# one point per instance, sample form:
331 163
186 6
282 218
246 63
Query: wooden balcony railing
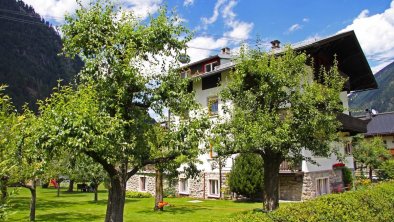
286 167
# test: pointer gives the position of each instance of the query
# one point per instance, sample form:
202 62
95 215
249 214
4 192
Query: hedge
135 194
375 203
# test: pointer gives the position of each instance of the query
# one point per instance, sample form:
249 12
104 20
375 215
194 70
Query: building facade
301 182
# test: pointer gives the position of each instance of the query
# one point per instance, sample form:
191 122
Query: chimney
275 44
225 50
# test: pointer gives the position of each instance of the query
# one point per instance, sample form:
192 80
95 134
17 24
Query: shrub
135 194
347 177
373 204
246 176
386 170
169 191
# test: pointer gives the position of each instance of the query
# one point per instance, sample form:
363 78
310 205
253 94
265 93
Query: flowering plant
338 165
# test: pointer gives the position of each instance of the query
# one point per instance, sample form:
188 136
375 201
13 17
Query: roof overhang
351 59
351 124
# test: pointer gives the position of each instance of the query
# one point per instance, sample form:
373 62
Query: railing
289 167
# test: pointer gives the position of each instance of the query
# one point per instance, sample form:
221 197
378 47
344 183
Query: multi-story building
304 181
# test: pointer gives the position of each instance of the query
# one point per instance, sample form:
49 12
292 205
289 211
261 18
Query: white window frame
211 65
216 192
183 186
319 183
142 185
348 148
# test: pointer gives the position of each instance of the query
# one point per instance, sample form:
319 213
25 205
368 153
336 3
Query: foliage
29 60
169 191
246 175
381 99
386 170
371 152
106 116
280 107
373 204
347 177
135 194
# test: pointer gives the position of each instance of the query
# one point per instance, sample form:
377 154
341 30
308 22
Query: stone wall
290 186
133 184
310 178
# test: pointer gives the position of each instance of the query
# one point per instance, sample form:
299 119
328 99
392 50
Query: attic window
210 66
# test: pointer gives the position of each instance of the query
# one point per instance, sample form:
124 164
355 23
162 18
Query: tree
246 176
162 140
386 170
279 108
371 153
106 116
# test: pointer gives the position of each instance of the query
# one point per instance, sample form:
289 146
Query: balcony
287 167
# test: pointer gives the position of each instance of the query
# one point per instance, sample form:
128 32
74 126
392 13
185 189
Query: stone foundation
309 183
290 186
293 186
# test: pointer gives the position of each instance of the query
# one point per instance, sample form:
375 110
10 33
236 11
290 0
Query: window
210 66
142 183
348 148
183 185
213 105
211 81
183 75
214 187
322 186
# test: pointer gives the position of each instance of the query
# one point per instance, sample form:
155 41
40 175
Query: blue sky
220 23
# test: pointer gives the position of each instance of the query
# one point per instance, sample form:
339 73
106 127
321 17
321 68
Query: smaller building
382 125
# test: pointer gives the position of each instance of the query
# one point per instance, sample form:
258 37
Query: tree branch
111 170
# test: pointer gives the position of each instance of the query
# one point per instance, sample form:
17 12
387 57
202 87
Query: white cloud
215 15
376 35
237 32
240 30
203 46
379 67
305 19
56 9
294 27
187 3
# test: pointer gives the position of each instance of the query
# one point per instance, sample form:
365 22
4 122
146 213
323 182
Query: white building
304 181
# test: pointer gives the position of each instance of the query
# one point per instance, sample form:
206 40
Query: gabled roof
381 124
344 46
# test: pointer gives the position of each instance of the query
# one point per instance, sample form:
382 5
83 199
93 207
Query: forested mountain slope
29 60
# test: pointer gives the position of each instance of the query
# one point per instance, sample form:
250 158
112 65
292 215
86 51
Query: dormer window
210 66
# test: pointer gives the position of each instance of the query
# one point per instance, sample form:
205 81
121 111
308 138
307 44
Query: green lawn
79 207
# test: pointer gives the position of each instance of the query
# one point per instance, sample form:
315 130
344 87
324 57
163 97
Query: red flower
338 165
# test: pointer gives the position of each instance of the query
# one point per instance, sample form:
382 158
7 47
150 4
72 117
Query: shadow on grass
69 216
175 210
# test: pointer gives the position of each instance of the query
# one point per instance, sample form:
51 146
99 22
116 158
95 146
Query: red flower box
338 165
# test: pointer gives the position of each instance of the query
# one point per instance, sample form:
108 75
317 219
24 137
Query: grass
79 206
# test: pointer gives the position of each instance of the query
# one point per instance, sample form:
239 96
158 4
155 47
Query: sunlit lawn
79 207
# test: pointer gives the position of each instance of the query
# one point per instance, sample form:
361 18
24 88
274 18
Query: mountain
381 99
29 60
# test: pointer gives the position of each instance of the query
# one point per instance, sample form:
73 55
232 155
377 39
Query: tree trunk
58 189
71 186
116 199
220 178
370 174
95 192
33 192
272 163
159 190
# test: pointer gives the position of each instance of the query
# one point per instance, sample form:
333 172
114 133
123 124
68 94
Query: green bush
246 176
386 170
135 194
373 204
347 177
169 191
